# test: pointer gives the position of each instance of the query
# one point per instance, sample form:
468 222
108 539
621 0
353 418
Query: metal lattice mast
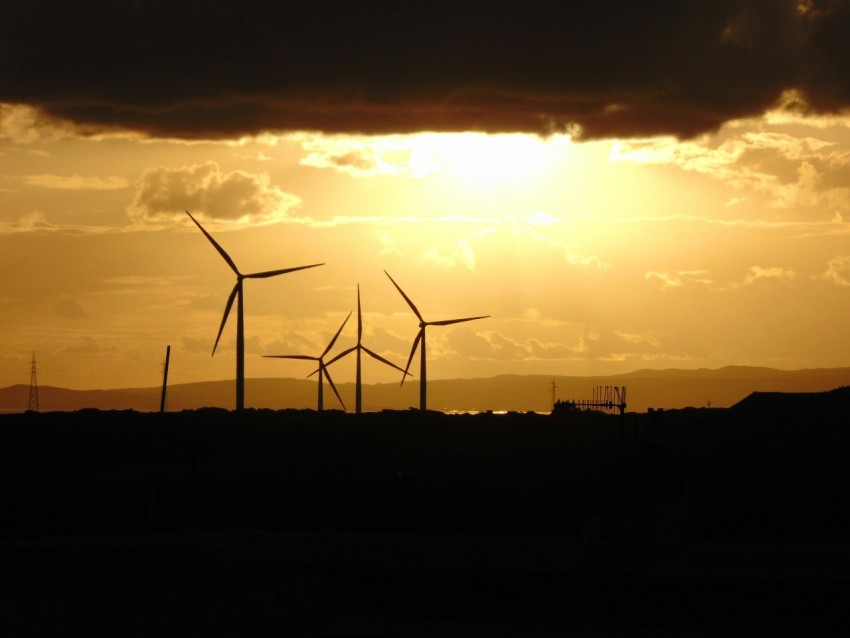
32 406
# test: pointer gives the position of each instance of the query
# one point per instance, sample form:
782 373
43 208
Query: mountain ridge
668 388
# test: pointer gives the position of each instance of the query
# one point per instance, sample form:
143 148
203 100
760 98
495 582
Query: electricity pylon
32 406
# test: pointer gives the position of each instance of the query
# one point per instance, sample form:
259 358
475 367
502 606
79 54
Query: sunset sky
619 186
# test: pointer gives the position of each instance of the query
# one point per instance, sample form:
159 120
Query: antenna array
606 398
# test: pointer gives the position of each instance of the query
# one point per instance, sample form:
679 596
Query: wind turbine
420 337
323 369
236 293
358 404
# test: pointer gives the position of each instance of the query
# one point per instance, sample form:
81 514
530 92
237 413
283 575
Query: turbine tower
236 294
358 403
420 338
322 370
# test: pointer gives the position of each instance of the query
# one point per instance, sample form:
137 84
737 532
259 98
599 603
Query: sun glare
484 160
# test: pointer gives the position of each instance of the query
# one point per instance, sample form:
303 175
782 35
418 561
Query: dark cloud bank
614 68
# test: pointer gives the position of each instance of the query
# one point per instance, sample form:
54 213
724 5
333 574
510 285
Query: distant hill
672 388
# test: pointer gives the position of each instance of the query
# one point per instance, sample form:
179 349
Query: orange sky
593 257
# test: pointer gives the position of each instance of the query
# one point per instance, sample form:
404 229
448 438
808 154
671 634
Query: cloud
493 344
591 344
36 222
574 259
538 349
802 192
162 194
76 182
787 171
87 345
294 342
609 68
463 255
638 338
757 273
197 346
388 244
70 309
838 270
390 344
678 278
25 124
358 156
542 218
355 161
482 345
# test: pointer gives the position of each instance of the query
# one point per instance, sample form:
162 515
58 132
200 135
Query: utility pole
554 389
32 406
158 426
165 378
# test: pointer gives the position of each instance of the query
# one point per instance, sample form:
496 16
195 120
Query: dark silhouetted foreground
208 522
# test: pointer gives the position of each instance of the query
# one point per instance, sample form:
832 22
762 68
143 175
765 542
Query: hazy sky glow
593 253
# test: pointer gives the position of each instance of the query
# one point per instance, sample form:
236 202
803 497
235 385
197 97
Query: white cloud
32 221
75 182
803 192
788 170
757 273
737 201
163 194
463 255
472 157
542 218
574 259
838 270
678 278
638 338
388 244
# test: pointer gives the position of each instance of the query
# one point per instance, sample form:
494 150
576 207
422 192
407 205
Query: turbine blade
333 387
312 373
215 244
447 322
303 357
341 355
333 341
406 298
416 341
282 271
359 318
226 313
382 360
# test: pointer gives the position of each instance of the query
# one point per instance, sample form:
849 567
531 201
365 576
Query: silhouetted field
762 471
521 518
